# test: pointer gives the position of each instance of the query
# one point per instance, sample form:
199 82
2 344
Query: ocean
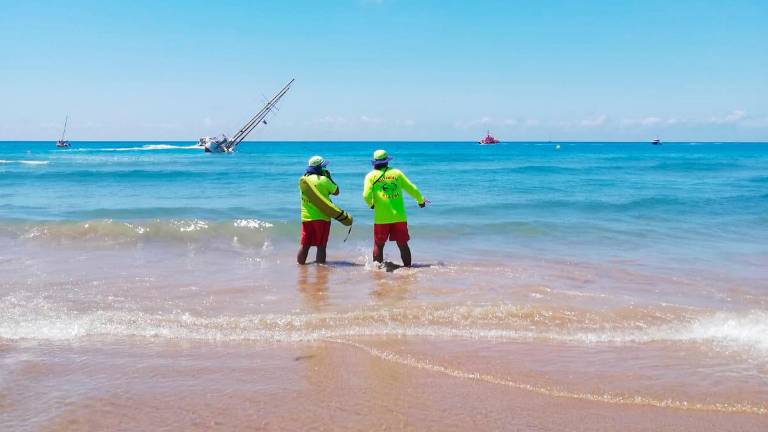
616 280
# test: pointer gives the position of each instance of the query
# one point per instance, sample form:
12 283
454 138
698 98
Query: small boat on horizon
656 142
489 139
62 143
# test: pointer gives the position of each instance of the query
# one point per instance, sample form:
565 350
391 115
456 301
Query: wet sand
150 337
374 384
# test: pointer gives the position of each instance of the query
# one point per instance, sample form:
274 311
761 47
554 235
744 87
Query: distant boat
62 143
489 139
656 142
223 144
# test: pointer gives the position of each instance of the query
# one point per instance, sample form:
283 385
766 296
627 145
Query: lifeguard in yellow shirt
315 225
383 192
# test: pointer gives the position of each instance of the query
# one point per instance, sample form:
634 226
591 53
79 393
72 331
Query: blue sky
387 69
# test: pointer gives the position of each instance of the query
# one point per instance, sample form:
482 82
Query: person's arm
368 191
335 188
411 188
327 186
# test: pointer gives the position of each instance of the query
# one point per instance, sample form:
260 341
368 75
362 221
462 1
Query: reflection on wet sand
354 386
392 287
312 283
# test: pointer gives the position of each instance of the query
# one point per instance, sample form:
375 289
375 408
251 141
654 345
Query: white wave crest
190 225
744 332
252 224
730 329
146 147
25 162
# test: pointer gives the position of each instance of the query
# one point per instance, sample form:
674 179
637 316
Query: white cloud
532 122
490 122
359 121
643 121
331 120
738 118
734 116
650 121
759 122
370 120
162 125
482 121
594 121
607 124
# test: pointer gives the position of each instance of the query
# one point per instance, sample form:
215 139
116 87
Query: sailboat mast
259 117
64 132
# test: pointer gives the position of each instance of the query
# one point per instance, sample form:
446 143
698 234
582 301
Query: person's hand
423 204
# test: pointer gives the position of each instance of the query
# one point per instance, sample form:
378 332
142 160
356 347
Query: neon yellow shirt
308 210
385 193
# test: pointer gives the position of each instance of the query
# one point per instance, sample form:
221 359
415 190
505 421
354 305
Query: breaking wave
24 162
112 231
141 148
743 332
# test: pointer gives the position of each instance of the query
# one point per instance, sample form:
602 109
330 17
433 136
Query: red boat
489 139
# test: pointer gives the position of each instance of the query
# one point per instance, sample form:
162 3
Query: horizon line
404 141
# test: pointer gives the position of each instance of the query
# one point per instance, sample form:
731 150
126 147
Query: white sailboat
222 144
62 143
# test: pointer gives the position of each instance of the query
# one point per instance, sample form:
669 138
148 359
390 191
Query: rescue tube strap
348 233
382 175
342 216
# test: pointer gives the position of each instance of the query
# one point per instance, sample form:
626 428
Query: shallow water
614 276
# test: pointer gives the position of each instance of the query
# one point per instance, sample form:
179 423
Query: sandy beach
371 384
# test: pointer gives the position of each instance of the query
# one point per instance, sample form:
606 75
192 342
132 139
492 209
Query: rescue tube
323 204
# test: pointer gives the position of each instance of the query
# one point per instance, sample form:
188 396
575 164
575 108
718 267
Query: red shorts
315 233
396 232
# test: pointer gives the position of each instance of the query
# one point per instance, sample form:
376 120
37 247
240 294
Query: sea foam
744 332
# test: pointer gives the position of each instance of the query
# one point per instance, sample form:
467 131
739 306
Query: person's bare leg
378 252
320 257
301 257
405 253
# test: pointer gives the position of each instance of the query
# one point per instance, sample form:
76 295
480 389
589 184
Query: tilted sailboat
222 144
62 143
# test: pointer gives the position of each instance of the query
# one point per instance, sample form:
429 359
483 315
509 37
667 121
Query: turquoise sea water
625 223
679 201
646 263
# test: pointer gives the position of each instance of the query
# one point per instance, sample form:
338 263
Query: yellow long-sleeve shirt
383 190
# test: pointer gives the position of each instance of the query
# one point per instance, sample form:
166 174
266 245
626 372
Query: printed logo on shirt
390 190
